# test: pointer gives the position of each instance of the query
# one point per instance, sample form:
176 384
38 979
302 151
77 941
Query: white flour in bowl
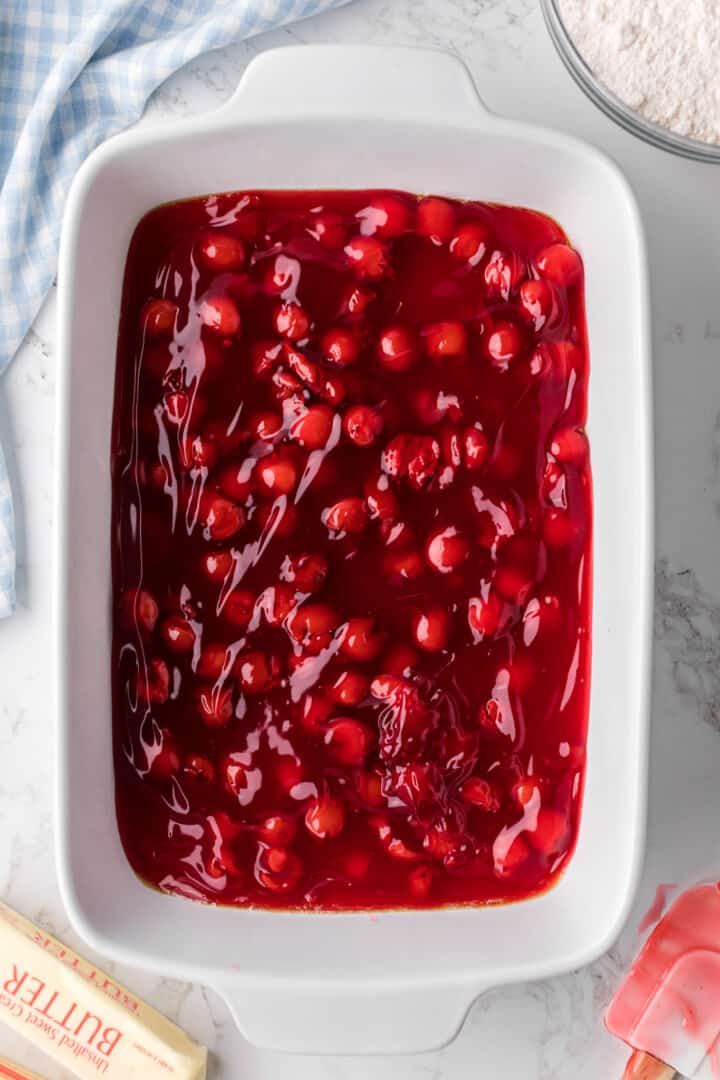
661 57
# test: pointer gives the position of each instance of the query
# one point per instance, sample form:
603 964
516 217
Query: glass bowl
611 104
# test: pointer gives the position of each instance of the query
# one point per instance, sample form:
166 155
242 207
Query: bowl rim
612 105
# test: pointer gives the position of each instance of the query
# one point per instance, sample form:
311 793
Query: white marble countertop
550 1030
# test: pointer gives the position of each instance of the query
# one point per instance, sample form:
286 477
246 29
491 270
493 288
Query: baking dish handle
380 1020
396 82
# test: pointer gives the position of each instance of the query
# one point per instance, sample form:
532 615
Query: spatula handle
642 1066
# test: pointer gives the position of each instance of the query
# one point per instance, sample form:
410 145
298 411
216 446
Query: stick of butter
10 1071
81 1017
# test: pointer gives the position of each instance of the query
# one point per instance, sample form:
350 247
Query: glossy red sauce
351 550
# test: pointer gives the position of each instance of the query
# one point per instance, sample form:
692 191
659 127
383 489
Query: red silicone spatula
668 1008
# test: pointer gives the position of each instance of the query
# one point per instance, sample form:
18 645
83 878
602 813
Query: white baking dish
354 117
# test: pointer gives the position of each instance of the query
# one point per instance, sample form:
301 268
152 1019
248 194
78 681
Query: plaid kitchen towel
73 72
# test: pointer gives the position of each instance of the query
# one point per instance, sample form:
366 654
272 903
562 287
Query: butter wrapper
10 1071
81 1017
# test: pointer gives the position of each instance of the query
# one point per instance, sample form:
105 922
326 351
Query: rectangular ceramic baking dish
337 117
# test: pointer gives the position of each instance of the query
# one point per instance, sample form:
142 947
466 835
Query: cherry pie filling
351 550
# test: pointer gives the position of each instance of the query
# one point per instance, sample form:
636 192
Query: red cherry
282 520
158 318
470 242
222 861
283 274
429 405
551 833
420 882
287 387
157 477
446 549
305 369
435 219
559 529
369 257
504 345
277 869
542 614
391 843
446 340
570 446
220 251
166 759
221 517
350 688
291 321
357 300
154 688
312 430
306 572
256 671
340 346
480 793
356 865
239 607
476 447
368 786
385 216
538 299
399 660
333 389
381 501
362 425
423 461
510 862
220 315
178 634
397 534
212 660
360 641
328 229
277 603
348 741
484 615
198 452
138 608
312 625
199 767
560 264
504 272
277 475
325 817
202 360
553 487
278 830
184 408
312 712
215 705
521 563
525 790
404 565
386 686
264 357
236 481
346 516
397 348
414 456
431 629
522 672
156 360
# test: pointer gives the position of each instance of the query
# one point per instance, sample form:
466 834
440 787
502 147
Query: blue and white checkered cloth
73 72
